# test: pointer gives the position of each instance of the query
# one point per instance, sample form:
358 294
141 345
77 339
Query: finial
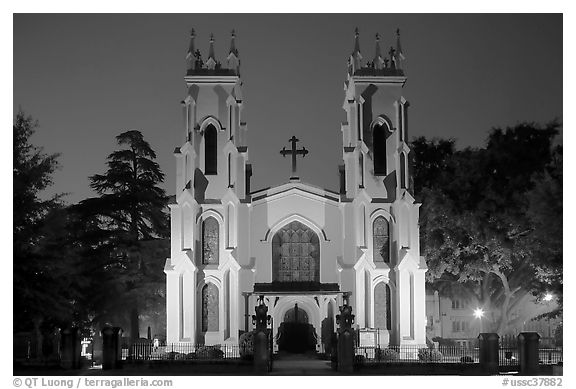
377 54
211 50
233 49
356 41
399 53
191 50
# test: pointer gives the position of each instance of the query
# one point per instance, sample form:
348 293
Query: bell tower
376 131
375 179
212 181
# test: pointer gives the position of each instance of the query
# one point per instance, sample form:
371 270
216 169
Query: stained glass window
209 308
295 254
210 241
381 240
382 316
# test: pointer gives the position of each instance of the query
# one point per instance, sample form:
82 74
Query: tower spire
378 60
191 51
399 54
233 56
211 61
233 49
355 57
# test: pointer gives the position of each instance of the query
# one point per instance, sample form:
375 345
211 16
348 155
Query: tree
127 224
475 223
44 294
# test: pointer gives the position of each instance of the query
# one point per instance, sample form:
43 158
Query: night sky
87 78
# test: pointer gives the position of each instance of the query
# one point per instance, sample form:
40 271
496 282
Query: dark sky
87 78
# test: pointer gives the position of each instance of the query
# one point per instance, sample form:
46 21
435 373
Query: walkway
300 364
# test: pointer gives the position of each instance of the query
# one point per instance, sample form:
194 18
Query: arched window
381 240
379 144
229 170
210 241
210 308
361 165
211 150
382 311
295 254
402 171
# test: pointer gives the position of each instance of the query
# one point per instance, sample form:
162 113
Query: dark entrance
295 334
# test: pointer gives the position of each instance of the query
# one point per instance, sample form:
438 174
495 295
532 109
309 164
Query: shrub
191 356
429 355
246 345
209 352
359 360
466 359
172 355
387 354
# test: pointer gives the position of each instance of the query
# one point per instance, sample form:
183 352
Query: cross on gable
294 153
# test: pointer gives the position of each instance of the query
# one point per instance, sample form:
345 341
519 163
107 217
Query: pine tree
129 219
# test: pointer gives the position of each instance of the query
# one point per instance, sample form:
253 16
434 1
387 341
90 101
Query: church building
305 249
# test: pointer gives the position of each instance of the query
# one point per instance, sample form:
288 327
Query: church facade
304 249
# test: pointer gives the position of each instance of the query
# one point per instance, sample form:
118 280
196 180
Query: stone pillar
488 344
345 347
111 348
70 348
262 346
528 343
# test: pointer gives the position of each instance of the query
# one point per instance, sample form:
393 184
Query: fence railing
508 354
418 354
180 351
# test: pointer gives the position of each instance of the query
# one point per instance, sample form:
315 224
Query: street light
478 313
548 296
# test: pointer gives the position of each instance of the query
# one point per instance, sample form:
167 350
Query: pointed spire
378 61
233 56
211 50
191 50
399 54
211 61
356 41
392 54
233 49
354 62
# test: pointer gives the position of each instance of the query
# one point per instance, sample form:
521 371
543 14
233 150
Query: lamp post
478 314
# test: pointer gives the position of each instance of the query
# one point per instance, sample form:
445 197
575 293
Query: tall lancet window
229 171
382 311
361 163
210 308
402 171
211 150
210 241
381 240
379 144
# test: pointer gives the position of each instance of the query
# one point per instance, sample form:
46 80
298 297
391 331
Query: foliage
44 293
246 345
125 231
387 355
478 219
429 355
209 352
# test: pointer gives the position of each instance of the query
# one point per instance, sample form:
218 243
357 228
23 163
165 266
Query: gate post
111 348
528 343
262 357
345 348
489 359
71 348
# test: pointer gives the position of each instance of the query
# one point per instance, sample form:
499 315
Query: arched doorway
296 334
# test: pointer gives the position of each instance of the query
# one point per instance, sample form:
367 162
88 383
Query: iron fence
418 354
508 354
180 352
